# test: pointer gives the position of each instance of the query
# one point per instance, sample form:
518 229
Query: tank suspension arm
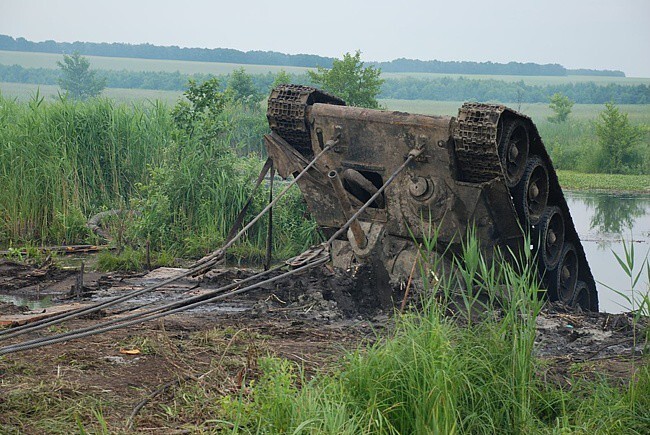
412 155
348 211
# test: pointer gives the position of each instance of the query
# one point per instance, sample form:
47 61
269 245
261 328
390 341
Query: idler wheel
513 150
531 194
548 234
564 277
581 297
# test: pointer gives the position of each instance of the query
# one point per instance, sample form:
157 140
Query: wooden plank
33 316
67 249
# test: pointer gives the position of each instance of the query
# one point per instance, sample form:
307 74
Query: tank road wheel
549 236
581 297
531 194
513 150
564 277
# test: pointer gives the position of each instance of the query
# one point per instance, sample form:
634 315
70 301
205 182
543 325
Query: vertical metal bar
269 231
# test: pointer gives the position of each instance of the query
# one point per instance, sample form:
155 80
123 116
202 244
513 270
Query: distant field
48 60
24 91
638 113
534 80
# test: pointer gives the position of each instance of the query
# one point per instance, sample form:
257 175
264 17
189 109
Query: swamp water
603 221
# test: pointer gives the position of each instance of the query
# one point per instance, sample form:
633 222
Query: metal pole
269 231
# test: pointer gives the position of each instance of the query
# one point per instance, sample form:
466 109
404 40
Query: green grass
438 370
435 373
614 182
62 161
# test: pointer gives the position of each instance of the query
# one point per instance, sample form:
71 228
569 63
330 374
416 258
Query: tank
486 169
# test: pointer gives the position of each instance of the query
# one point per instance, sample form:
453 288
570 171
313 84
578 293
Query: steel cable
141 317
162 308
60 318
61 337
201 265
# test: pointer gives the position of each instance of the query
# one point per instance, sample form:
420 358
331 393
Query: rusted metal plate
456 181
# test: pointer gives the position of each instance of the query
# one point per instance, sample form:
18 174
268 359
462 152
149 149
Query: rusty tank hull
486 169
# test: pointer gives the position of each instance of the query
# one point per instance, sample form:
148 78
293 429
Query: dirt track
311 319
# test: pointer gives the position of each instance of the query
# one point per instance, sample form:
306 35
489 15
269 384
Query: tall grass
62 160
442 373
573 145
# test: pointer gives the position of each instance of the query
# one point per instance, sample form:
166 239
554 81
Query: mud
311 319
322 297
587 336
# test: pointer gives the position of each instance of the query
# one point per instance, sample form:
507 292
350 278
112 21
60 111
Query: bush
619 142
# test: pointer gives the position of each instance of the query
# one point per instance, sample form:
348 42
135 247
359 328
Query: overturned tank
487 168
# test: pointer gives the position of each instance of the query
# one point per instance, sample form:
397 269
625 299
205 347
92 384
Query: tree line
488 68
407 88
462 89
227 55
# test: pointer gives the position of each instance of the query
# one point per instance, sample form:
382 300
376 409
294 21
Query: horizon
579 34
272 51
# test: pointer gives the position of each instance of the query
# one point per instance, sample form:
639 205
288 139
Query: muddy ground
311 318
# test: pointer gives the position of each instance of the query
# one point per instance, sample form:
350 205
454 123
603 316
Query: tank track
287 110
476 136
476 133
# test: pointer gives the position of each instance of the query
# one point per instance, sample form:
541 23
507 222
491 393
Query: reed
438 373
62 160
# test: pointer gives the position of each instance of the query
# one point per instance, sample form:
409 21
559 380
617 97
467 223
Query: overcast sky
601 34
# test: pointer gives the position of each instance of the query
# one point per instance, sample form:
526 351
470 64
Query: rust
487 168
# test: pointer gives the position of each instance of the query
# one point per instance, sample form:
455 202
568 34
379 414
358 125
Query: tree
241 87
77 79
281 78
351 81
618 140
201 109
561 105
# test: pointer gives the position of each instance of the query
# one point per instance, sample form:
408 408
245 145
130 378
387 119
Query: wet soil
310 318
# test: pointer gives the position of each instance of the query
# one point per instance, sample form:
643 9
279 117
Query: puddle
31 303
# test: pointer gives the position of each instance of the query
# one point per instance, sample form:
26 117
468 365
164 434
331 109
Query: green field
48 60
533 80
25 91
638 113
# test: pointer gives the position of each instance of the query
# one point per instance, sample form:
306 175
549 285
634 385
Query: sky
599 34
